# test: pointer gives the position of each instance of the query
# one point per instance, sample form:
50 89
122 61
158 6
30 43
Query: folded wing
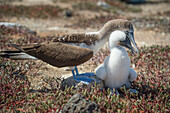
55 53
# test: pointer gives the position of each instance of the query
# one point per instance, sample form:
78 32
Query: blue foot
82 77
86 74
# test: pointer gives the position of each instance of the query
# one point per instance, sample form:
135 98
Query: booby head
127 42
126 32
120 38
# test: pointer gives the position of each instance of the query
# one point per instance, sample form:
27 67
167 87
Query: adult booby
72 49
115 71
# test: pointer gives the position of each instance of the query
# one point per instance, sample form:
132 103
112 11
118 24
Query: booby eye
126 32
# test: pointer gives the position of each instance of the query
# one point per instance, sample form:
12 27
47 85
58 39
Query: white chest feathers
115 70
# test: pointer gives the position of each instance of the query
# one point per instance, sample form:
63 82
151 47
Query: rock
68 81
8 24
103 4
68 13
78 104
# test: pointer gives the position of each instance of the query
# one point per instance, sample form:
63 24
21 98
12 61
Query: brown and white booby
72 49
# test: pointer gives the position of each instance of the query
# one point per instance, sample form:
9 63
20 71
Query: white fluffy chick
115 71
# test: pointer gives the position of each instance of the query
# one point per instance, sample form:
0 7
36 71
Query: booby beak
131 37
127 43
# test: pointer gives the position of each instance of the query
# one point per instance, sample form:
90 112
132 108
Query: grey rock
78 104
68 81
103 4
68 13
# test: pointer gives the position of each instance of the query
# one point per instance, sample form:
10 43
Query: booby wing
88 39
101 71
55 53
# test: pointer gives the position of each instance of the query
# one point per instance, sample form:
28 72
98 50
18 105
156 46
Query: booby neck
92 37
111 26
102 36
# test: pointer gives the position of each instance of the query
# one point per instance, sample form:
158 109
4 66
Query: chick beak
127 43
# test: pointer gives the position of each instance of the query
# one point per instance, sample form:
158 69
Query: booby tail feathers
16 55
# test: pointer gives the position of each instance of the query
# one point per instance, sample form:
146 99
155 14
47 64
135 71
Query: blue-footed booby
71 49
115 71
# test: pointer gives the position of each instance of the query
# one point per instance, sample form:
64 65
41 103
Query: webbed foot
85 77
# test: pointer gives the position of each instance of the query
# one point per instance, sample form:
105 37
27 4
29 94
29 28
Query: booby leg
85 77
74 76
77 73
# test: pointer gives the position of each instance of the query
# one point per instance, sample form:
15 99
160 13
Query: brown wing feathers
58 54
77 38
55 52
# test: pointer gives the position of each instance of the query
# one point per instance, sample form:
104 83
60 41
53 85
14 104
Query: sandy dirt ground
54 26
